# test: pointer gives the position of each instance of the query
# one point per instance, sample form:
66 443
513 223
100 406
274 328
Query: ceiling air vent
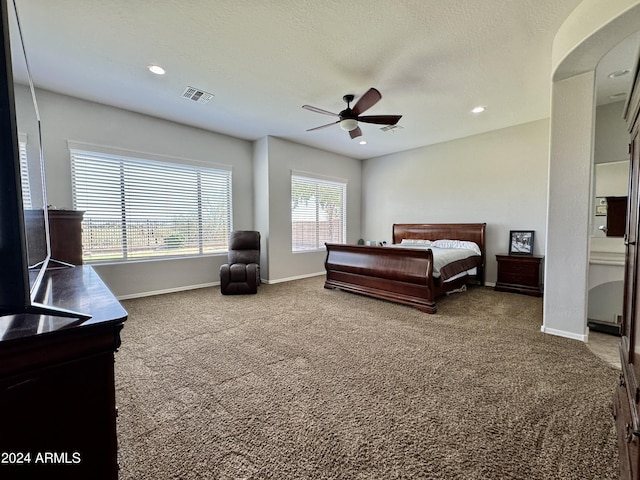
197 95
390 128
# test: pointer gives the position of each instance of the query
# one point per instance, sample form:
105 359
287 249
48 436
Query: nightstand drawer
520 267
530 280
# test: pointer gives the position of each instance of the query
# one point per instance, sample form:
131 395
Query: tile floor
605 346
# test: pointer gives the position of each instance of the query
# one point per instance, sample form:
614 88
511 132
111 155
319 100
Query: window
136 208
24 172
317 212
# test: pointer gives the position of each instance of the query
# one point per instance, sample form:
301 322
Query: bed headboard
474 232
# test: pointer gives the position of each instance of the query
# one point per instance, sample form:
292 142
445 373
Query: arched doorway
592 30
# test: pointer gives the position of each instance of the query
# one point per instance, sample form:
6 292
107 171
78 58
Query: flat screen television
25 250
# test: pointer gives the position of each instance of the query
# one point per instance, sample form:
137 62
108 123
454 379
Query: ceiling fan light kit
349 117
348 124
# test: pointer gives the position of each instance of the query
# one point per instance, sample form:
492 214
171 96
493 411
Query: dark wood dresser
519 274
65 229
57 393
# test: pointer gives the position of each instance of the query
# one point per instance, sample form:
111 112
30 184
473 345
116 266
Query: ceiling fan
349 117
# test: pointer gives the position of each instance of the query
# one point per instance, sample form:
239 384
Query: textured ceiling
432 60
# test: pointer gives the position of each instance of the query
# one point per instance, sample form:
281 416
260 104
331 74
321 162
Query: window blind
136 208
24 173
317 212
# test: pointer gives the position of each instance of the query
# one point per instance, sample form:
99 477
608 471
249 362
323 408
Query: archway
592 29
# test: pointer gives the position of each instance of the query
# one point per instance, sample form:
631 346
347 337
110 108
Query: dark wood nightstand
519 274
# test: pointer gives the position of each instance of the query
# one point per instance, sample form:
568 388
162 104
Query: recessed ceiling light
479 109
619 73
157 69
363 142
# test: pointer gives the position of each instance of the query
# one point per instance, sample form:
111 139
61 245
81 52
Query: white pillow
458 244
414 241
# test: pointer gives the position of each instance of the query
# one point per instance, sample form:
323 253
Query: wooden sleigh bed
403 275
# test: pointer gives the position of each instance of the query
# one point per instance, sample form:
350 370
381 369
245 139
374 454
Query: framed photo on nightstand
521 242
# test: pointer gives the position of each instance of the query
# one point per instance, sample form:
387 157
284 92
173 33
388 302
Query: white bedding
444 252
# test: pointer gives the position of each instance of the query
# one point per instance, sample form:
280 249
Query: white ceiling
432 60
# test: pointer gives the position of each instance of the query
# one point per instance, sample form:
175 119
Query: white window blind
24 173
136 208
317 212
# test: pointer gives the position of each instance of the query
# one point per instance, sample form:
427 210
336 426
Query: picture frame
601 206
521 242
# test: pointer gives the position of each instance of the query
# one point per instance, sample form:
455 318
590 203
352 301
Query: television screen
32 175
24 230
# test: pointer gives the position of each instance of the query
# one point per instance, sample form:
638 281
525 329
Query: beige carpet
299 382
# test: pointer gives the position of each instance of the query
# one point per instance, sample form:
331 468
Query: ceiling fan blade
381 119
366 101
319 110
323 126
356 132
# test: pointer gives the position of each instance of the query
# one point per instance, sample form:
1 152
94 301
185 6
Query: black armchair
241 273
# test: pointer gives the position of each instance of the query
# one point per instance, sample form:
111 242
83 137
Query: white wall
261 201
591 30
66 118
611 136
261 187
283 157
611 179
570 167
498 177
607 254
611 158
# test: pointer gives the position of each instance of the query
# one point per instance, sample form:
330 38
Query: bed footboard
399 275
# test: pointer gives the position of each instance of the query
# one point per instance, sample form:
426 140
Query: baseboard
210 284
298 277
562 333
167 290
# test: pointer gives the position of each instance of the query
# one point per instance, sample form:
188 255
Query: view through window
24 172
